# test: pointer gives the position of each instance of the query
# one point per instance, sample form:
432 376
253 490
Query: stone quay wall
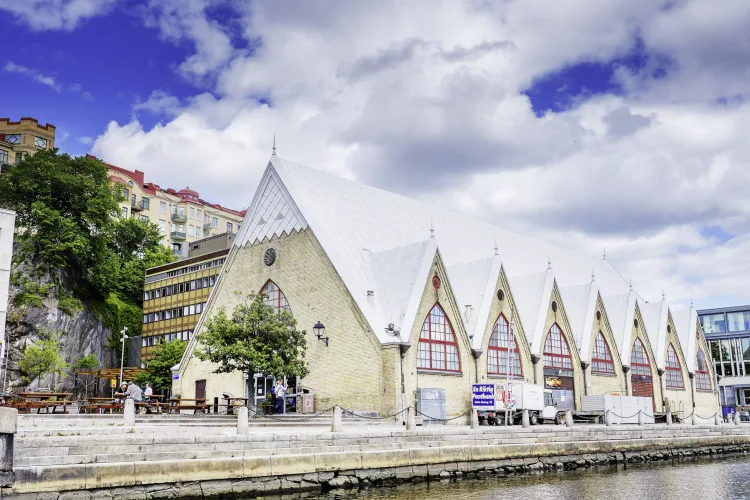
271 474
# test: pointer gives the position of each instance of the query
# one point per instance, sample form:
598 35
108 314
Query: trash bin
306 401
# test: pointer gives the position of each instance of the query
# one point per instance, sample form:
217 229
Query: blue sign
176 376
483 396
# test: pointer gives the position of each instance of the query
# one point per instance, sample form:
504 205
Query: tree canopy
73 234
256 339
159 370
42 358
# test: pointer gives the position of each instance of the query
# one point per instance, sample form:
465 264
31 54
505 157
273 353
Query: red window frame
702 375
601 358
274 297
673 370
639 362
437 324
496 348
557 350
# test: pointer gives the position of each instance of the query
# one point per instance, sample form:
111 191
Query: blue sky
622 125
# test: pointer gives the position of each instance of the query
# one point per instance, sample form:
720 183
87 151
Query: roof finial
604 256
496 252
432 230
691 302
274 144
549 263
593 276
630 282
662 294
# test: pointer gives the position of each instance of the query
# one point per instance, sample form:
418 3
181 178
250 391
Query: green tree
87 363
256 339
42 358
159 370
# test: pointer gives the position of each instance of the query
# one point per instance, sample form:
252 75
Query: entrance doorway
200 389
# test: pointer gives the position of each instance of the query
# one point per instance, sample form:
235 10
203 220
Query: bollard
717 419
607 418
8 428
525 419
336 419
669 418
736 418
694 419
242 421
411 419
474 419
568 418
129 413
641 418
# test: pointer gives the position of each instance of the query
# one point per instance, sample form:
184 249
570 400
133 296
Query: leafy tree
256 339
87 363
159 370
42 358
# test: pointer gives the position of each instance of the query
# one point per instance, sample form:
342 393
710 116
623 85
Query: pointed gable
686 324
620 311
474 286
532 294
580 307
655 319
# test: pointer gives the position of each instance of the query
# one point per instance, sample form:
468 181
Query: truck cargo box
623 409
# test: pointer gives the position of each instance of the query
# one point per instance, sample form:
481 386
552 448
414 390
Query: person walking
279 392
147 392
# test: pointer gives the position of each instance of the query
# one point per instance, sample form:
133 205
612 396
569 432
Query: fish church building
413 296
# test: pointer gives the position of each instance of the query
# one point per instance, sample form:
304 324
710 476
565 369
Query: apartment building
175 294
21 138
183 216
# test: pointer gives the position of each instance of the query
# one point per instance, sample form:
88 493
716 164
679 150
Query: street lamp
319 330
123 338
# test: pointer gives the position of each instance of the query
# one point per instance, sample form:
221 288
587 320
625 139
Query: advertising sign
113 383
175 376
483 396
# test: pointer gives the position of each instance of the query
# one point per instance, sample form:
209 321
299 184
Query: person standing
280 392
148 392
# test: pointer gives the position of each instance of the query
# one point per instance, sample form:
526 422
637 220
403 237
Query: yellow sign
113 383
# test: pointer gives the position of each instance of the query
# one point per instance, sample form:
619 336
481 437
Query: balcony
207 224
178 235
179 216
137 206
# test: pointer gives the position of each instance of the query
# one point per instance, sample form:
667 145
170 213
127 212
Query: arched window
556 350
438 349
601 361
639 364
497 350
274 297
702 378
673 370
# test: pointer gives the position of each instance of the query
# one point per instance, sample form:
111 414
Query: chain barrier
442 419
370 417
289 419
707 418
620 416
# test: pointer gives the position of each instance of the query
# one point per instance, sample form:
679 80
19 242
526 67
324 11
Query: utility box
306 401
431 405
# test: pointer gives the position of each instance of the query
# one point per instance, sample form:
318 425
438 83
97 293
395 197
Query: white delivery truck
495 402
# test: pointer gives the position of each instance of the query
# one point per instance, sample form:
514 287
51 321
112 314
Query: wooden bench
177 405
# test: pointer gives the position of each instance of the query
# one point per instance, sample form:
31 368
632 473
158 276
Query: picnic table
45 401
196 404
231 404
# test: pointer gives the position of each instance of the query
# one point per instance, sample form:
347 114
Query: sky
620 127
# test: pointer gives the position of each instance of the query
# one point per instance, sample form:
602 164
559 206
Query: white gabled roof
532 294
686 324
580 306
348 218
655 316
620 310
473 285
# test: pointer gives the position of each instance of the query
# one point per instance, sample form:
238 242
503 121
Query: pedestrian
148 392
130 391
123 391
280 392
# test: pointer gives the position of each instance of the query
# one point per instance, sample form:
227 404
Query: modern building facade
175 294
7 225
727 331
182 216
21 138
413 296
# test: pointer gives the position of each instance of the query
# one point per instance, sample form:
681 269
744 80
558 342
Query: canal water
716 479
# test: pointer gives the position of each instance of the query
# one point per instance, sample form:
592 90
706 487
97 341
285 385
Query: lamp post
123 338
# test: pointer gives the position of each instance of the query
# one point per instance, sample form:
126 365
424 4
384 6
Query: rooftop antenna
432 230
496 253
274 144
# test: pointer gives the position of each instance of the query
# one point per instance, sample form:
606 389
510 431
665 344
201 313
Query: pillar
129 413
694 418
525 419
8 428
568 418
607 418
336 425
737 416
242 419
641 418
669 417
411 419
474 419
717 418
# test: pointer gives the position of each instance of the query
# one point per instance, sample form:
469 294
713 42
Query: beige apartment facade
23 137
183 217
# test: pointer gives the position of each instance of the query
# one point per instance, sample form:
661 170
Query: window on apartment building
673 370
229 227
144 217
180 228
13 138
501 341
19 157
199 215
191 231
601 360
438 349
198 231
132 200
162 207
3 156
556 350
162 225
124 212
40 142
738 321
214 222
713 323
145 202
192 213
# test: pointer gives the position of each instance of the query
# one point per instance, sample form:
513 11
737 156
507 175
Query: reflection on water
715 479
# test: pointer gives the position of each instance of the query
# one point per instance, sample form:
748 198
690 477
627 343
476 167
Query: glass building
727 331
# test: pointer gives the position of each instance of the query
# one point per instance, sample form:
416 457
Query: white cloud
34 74
427 99
85 140
55 14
